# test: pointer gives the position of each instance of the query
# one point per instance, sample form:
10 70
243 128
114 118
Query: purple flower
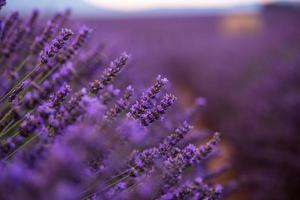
189 156
57 44
194 190
121 105
95 142
18 90
145 101
11 20
156 113
68 53
40 41
109 74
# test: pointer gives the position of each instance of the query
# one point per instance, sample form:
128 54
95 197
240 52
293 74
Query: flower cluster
64 135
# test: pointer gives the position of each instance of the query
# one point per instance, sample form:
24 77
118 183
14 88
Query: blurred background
243 57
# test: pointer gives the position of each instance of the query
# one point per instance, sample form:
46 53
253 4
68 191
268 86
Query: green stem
6 127
4 106
3 133
6 116
47 75
18 84
14 125
20 66
20 147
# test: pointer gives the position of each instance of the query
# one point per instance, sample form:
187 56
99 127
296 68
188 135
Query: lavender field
247 70
169 108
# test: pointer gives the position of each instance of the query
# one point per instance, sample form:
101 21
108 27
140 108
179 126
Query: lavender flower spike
121 104
194 190
173 139
109 74
33 18
79 42
189 156
40 41
57 44
2 3
144 102
60 96
143 161
150 116
18 90
9 23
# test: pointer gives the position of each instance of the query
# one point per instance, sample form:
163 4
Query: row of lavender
100 141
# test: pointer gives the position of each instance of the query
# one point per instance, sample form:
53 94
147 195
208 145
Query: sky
135 7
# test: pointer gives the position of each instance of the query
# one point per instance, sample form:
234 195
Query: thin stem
3 133
19 148
109 186
6 127
4 106
116 182
48 74
20 66
122 173
89 188
6 116
23 79
131 187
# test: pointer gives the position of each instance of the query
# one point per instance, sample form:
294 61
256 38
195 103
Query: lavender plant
2 3
66 137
